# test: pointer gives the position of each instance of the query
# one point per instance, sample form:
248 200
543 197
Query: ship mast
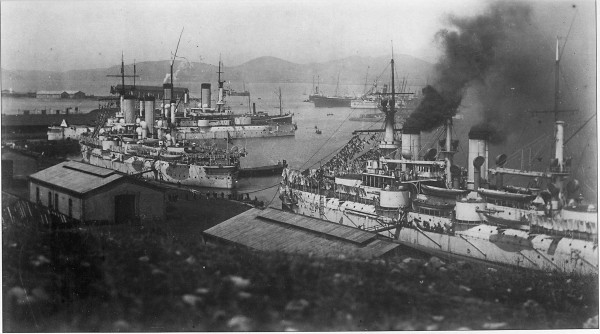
122 76
220 98
388 144
280 108
449 153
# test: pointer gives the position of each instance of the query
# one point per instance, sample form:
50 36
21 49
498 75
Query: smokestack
410 143
205 95
477 163
141 107
173 105
149 117
253 108
129 109
167 92
477 148
559 145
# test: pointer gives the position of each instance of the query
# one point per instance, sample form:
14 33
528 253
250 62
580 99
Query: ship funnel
477 163
205 95
559 145
167 92
129 109
173 110
149 114
410 143
478 148
141 102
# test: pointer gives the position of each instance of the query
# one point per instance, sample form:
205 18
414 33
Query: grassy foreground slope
127 278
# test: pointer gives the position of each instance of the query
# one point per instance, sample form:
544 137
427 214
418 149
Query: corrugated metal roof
275 230
76 176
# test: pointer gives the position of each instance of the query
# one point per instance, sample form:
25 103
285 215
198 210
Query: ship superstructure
425 201
145 141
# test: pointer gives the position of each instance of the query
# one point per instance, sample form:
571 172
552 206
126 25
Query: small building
67 132
274 230
157 92
94 194
76 94
46 94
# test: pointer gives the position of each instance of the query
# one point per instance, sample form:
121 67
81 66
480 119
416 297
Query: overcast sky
63 35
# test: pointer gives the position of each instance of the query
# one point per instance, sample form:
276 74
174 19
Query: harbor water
307 149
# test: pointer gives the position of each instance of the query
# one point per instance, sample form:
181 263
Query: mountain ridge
265 69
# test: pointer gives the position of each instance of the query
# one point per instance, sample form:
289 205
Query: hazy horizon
61 35
215 63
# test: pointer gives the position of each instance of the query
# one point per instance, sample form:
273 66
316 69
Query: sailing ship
430 204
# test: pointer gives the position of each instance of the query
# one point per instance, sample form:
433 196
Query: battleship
428 203
140 142
207 122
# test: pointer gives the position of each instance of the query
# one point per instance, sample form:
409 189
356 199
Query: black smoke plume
495 59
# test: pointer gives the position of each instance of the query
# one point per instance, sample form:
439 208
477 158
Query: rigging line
269 187
382 72
436 136
581 155
516 154
272 199
580 128
568 33
334 132
377 122
337 150
565 81
531 143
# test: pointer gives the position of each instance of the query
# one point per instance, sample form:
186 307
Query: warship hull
162 170
476 242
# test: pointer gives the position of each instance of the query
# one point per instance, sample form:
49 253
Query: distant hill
351 70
